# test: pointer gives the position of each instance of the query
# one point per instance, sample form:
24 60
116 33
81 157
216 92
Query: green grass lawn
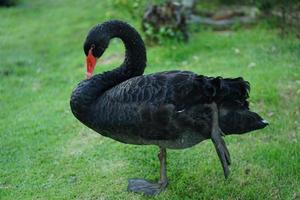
45 153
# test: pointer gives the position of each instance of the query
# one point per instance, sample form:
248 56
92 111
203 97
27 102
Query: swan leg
216 136
147 187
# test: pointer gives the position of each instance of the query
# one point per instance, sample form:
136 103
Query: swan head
97 41
94 46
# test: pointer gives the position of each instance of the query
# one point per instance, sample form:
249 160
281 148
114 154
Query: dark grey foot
145 187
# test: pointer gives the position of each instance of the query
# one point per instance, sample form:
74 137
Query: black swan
171 109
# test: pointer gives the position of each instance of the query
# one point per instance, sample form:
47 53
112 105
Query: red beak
90 64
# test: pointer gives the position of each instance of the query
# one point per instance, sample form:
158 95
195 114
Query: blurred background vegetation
45 153
167 19
163 19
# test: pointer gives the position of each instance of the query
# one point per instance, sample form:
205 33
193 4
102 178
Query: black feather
169 109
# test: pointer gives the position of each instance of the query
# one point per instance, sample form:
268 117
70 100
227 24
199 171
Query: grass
45 153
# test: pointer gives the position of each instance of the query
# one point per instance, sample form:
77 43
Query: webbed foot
145 187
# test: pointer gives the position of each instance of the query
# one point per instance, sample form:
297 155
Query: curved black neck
88 91
135 52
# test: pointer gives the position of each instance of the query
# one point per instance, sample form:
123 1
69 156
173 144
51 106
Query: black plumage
172 109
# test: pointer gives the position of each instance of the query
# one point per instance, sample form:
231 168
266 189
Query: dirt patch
112 59
290 91
6 72
82 142
36 86
225 33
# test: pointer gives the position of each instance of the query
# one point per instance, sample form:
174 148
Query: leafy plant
165 21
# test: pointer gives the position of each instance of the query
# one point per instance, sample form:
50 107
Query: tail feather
203 89
231 90
240 121
235 116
